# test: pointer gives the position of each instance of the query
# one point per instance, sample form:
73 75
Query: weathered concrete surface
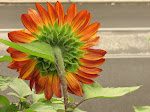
118 15
134 43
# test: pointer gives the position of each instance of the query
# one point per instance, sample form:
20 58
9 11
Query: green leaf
13 94
41 107
21 87
96 91
4 101
39 49
9 108
29 110
142 109
5 58
4 82
37 97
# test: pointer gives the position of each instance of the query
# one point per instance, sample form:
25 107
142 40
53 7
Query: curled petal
20 37
43 13
90 70
35 17
74 84
91 63
91 43
10 50
19 56
86 75
89 31
60 12
94 54
71 13
29 23
84 80
52 12
27 69
79 20
34 78
48 87
56 86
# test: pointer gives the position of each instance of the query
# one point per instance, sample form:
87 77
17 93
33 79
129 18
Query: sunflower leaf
39 49
142 109
4 101
9 108
97 91
20 87
5 58
4 82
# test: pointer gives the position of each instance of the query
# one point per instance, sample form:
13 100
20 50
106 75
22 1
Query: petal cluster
82 32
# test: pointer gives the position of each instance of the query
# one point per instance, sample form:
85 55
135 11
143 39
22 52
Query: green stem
59 63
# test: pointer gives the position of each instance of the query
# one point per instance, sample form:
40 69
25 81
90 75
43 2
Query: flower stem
59 63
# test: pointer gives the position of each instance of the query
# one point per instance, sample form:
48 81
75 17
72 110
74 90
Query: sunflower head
72 34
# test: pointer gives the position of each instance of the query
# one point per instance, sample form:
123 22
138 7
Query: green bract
66 41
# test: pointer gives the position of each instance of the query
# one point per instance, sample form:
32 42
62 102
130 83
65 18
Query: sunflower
72 34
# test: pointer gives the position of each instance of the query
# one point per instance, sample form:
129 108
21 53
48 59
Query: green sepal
47 29
41 30
55 37
31 57
56 26
62 31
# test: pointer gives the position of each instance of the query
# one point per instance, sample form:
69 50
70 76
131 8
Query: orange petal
34 78
92 43
43 13
69 90
29 23
17 64
79 20
38 88
35 17
60 12
94 54
90 70
27 69
87 21
86 75
84 80
48 87
20 37
56 86
74 84
89 31
10 50
19 56
89 63
71 13
52 12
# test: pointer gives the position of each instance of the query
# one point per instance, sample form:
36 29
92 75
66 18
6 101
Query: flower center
66 41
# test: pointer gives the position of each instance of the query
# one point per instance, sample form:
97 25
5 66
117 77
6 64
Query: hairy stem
59 63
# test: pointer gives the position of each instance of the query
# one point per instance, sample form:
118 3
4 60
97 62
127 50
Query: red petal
56 86
35 17
86 75
48 87
60 12
89 31
52 12
94 54
38 88
91 43
79 20
84 80
43 13
90 70
10 50
20 37
74 84
71 13
17 64
29 23
27 69
19 56
34 78
89 63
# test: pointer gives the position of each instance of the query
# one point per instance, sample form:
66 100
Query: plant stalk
59 63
